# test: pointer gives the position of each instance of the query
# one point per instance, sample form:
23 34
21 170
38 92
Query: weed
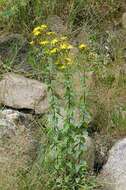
61 159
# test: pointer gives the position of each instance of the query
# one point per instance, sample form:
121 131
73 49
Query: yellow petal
43 26
82 46
66 46
36 29
51 33
54 41
36 33
44 42
53 51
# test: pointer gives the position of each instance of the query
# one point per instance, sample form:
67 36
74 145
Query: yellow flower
54 41
44 42
50 33
32 42
82 46
66 46
36 33
53 51
36 29
43 26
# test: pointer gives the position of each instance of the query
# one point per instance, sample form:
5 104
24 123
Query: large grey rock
19 92
113 175
17 147
82 37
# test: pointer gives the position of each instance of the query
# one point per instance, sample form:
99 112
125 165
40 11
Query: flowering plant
67 143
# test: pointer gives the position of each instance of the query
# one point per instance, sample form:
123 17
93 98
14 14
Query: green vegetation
63 158
84 87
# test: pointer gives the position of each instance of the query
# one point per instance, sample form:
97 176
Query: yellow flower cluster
55 46
39 29
66 46
50 38
54 41
44 42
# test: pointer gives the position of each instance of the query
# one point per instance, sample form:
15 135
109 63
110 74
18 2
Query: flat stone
19 92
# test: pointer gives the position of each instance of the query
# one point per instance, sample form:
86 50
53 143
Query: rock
17 146
19 92
74 52
113 175
82 37
124 20
56 24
